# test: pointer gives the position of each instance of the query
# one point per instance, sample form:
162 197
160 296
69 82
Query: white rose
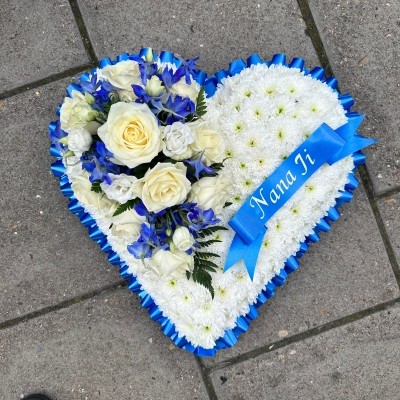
211 192
123 74
122 188
126 95
79 140
182 238
182 89
209 141
127 225
164 186
154 86
175 264
76 112
177 140
131 133
82 188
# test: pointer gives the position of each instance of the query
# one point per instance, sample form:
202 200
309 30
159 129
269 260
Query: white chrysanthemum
256 151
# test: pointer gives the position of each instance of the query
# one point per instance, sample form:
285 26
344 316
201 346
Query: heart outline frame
291 264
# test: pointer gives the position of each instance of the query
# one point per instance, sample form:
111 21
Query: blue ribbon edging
291 264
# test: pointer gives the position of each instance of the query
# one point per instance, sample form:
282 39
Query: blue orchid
97 163
146 68
104 156
141 94
99 89
190 68
199 166
89 82
200 219
141 209
169 77
148 233
180 108
140 249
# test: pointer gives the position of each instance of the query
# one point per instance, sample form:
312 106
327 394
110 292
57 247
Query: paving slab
103 348
218 32
362 39
39 38
390 210
355 361
347 271
46 254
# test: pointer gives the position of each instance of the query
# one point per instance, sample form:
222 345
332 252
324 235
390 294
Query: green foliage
125 207
201 107
205 254
202 275
208 242
96 187
219 166
203 264
210 230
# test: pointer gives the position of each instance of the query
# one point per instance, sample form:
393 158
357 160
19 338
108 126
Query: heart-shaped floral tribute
156 159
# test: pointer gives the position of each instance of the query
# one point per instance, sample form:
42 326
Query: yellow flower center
134 134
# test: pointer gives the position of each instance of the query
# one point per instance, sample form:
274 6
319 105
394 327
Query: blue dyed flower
140 250
179 107
147 240
199 167
190 68
200 219
97 162
104 156
88 82
141 94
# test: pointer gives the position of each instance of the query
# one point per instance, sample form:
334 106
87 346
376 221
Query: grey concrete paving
107 347
39 38
362 39
330 283
103 348
218 32
390 210
355 361
46 253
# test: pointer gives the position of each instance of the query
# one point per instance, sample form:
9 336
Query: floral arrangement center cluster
135 144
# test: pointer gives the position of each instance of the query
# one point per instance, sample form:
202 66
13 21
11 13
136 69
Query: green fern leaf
96 187
203 278
125 207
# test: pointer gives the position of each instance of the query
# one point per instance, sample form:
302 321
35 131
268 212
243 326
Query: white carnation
122 188
79 140
177 140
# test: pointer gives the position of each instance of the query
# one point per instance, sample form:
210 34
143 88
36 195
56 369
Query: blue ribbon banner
325 145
